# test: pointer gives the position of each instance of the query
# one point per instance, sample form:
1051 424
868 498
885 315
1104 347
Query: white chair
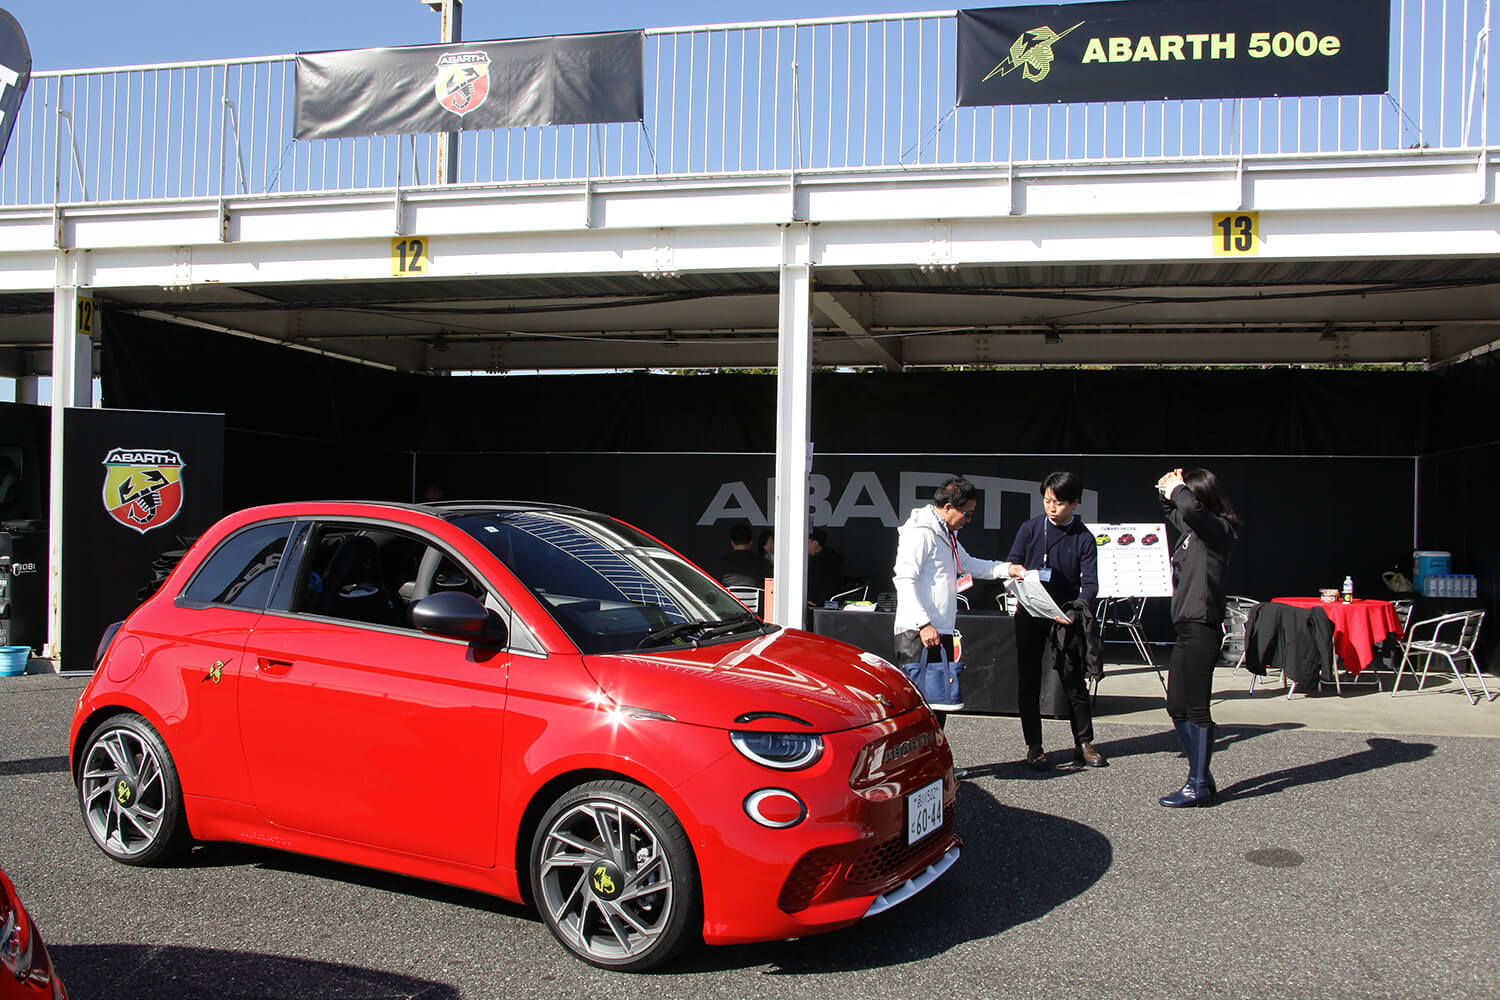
1125 613
1452 637
1232 646
750 597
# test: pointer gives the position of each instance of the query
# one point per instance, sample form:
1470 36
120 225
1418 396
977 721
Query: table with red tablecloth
1359 627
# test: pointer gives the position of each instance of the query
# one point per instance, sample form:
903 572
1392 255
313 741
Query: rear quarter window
241 570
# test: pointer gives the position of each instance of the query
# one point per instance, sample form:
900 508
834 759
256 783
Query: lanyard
953 543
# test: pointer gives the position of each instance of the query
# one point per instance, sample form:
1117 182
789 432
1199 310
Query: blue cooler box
1428 563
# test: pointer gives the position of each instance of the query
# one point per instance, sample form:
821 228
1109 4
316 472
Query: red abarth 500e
533 701
25 967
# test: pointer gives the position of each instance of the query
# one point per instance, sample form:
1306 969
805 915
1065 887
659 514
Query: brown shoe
1037 760
1087 755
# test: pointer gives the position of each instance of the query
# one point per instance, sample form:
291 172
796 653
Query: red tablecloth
1358 627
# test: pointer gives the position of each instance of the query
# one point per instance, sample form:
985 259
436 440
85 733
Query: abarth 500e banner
1142 50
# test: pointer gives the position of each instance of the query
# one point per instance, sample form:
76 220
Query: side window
240 571
359 573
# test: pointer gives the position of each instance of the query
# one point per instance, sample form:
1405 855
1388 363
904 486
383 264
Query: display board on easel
1135 560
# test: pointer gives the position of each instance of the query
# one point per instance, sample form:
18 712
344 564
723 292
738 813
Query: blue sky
75 34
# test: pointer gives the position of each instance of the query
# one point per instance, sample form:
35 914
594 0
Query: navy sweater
1071 553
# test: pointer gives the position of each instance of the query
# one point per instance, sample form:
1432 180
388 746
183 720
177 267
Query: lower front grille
810 877
894 855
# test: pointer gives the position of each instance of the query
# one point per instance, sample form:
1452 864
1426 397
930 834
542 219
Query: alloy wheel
606 881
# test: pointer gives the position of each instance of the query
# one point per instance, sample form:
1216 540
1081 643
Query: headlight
783 751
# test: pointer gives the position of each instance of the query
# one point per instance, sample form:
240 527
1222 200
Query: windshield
610 587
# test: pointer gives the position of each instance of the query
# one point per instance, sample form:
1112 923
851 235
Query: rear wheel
129 793
614 876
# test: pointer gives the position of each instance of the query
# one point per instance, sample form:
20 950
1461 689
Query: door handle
273 668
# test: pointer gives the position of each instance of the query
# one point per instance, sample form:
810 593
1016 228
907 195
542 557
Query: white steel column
72 385
793 424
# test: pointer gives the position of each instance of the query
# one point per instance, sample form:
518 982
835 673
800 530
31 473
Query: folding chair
1452 637
1232 647
1125 613
750 597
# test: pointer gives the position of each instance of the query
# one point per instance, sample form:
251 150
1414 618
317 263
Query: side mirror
457 615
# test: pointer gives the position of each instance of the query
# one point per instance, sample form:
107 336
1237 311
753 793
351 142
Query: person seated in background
825 568
765 544
741 566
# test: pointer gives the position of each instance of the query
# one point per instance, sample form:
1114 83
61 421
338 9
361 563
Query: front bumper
849 857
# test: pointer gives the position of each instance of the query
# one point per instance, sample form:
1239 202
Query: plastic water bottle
1348 589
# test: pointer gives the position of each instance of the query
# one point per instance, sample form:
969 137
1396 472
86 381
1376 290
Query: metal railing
826 94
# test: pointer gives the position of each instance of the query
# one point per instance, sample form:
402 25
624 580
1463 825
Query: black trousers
1190 671
909 650
1031 639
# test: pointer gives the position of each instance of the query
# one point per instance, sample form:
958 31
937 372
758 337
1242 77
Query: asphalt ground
1339 864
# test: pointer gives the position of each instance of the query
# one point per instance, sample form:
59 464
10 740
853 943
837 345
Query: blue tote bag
937 680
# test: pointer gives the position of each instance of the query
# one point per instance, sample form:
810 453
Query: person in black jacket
1196 505
1060 547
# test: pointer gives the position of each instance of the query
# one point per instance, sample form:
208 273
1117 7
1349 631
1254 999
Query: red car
533 701
25 968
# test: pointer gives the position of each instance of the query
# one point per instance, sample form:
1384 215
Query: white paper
1033 596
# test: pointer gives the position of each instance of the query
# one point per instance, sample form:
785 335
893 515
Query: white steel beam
874 349
72 381
793 426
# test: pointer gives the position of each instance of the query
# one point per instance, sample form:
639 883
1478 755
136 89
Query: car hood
824 682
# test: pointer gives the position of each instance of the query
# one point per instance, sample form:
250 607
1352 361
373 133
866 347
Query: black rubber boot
1199 790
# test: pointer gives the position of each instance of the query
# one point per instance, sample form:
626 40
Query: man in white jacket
932 568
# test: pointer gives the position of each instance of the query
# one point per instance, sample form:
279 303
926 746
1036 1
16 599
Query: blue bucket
13 660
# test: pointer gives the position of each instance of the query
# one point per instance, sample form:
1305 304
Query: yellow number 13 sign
1236 234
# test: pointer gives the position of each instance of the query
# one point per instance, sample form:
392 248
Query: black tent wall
1331 469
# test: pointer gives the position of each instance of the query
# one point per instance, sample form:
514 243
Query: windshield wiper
706 629
730 625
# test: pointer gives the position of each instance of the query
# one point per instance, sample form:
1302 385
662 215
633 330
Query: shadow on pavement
1017 865
1149 743
225 855
147 972
1383 752
35 765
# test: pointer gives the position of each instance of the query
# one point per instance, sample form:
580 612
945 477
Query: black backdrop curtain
1331 469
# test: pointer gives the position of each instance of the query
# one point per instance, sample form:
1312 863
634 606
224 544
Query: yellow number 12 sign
409 256
1237 234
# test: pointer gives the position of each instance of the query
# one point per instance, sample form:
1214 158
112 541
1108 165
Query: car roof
444 509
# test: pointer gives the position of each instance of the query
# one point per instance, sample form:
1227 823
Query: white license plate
924 811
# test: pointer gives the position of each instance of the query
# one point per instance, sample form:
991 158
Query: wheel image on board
614 876
129 793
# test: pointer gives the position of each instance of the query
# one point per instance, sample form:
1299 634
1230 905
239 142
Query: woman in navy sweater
1060 547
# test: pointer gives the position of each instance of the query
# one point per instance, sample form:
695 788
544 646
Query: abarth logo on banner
143 487
1032 53
463 81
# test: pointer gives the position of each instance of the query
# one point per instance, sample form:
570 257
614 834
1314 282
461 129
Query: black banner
1142 50
563 80
138 488
15 74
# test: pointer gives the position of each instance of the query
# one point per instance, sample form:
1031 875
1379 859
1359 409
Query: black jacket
1199 558
1074 649
1296 641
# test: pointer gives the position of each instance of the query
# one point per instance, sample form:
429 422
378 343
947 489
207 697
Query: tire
129 793
614 876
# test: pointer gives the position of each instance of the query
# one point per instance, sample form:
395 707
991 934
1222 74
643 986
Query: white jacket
925 576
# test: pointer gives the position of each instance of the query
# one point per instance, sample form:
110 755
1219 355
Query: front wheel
129 793
614 876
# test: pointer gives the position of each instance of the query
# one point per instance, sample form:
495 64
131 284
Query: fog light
775 807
